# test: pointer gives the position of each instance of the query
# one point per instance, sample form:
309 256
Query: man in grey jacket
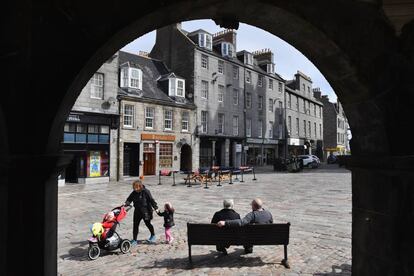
258 215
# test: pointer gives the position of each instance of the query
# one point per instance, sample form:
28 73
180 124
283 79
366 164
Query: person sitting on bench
227 213
258 215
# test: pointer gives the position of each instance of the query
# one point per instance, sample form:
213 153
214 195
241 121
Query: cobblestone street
317 203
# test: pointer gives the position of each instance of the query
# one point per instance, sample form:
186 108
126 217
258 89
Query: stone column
227 153
213 148
382 215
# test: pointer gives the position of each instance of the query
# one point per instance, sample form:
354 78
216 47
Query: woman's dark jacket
143 203
168 218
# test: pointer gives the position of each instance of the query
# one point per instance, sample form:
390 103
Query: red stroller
104 235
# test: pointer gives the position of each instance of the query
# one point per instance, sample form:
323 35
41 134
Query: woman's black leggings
138 216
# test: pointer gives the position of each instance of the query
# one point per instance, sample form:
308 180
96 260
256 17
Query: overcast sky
287 59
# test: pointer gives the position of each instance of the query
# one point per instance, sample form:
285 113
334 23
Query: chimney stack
227 35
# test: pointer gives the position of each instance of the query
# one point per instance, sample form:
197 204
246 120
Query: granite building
226 86
304 118
336 127
157 120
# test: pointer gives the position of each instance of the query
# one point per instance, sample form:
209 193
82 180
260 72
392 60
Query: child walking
168 215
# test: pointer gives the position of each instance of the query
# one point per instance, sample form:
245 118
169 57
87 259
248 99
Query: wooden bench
257 234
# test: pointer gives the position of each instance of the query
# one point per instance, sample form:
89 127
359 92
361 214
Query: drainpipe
118 159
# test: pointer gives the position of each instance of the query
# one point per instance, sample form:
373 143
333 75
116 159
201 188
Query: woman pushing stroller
144 204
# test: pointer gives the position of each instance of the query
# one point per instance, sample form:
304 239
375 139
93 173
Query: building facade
157 120
224 85
336 129
304 118
90 132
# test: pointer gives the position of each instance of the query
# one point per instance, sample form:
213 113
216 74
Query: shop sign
73 118
270 141
94 164
159 137
238 147
254 140
294 142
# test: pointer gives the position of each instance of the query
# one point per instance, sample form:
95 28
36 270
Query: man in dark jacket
227 213
258 215
144 204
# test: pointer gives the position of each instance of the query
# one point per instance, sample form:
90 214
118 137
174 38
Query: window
97 86
308 90
320 112
204 89
270 105
235 96
314 126
235 72
248 76
220 96
248 58
204 121
260 102
185 119
296 102
297 126
204 61
290 124
260 129
304 128
303 87
248 100
309 128
227 49
248 128
131 77
260 81
270 68
308 111
149 117
180 88
270 84
168 118
338 138
290 101
270 130
280 108
314 110
220 127
320 130
128 115
204 41
280 87
166 155
235 125
304 106
220 67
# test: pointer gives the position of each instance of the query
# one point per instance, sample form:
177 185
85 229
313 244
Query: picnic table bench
255 234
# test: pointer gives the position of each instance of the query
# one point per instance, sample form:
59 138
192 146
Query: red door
149 163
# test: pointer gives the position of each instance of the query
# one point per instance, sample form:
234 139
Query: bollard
254 174
242 172
206 187
189 180
173 173
237 177
219 176
159 177
231 175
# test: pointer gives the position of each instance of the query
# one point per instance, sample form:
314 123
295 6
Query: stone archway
351 42
186 163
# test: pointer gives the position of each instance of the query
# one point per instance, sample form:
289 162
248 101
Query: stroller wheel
125 246
94 252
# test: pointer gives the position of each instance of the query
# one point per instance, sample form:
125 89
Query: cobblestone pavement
317 203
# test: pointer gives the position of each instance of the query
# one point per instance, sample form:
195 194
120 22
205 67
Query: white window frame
204 61
128 81
185 121
248 76
178 94
235 96
235 125
249 100
270 68
260 129
220 93
248 128
204 121
204 89
205 40
249 59
227 49
149 117
220 67
168 119
128 115
220 123
97 86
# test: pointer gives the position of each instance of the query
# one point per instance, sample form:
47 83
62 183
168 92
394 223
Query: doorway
131 159
149 159
186 158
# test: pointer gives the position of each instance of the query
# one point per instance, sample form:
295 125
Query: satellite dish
111 100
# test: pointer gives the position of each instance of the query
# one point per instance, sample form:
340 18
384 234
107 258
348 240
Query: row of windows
86 133
307 128
341 138
221 123
307 107
129 115
248 76
341 123
260 129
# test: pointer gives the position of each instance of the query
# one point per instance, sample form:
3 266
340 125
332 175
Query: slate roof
152 72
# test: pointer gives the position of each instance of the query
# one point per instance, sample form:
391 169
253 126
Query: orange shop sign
160 137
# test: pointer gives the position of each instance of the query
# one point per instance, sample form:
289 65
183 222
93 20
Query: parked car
310 161
332 159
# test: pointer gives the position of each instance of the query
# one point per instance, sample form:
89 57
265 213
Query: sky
288 59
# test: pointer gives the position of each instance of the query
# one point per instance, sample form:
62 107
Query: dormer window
205 41
270 68
177 87
248 58
227 49
131 78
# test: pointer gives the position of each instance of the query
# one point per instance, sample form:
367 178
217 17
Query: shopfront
158 152
261 152
86 139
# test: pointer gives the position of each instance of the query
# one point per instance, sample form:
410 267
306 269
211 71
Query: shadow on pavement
342 270
213 259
